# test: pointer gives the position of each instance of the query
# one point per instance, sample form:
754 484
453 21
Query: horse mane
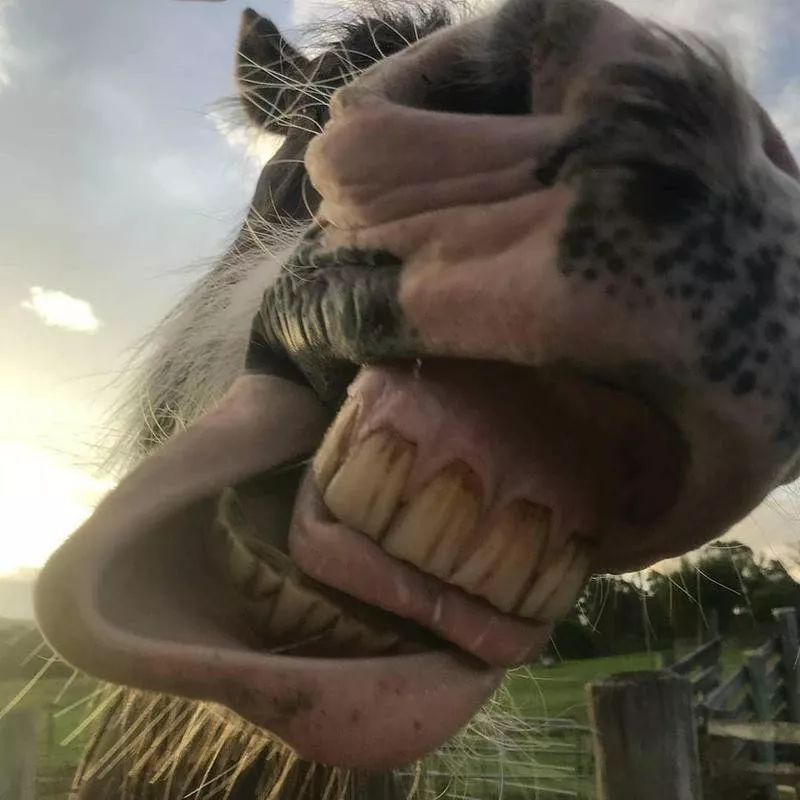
185 362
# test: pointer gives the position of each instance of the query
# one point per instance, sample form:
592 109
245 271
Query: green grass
560 691
542 758
62 711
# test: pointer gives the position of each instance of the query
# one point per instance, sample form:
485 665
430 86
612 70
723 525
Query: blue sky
120 182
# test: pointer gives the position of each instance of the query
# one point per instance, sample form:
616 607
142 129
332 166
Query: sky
121 180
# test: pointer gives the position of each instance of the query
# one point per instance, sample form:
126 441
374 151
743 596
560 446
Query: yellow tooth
367 489
561 600
521 533
471 575
242 564
457 527
548 581
388 496
293 603
321 616
362 638
287 612
506 556
334 445
267 580
345 633
424 524
272 566
296 614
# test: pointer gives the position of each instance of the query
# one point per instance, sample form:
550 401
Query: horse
515 304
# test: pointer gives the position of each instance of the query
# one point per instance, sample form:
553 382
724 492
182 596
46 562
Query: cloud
59 310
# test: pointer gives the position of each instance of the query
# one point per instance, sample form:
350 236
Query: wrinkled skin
588 234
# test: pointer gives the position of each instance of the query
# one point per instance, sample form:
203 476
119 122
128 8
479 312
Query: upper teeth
438 528
366 490
505 560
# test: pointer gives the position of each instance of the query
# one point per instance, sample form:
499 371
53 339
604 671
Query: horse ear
269 72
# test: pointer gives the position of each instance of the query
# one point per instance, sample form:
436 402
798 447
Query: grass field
62 711
560 692
526 756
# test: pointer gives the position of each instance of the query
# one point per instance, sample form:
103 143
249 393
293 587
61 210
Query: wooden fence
544 758
684 733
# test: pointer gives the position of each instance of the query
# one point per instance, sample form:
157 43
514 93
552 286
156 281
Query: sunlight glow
44 498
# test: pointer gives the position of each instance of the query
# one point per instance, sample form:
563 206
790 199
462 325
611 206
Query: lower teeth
287 608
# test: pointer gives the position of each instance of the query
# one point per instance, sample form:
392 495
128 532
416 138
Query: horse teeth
267 580
366 490
561 600
332 451
287 612
356 636
464 510
547 582
376 641
433 528
243 566
507 557
293 606
434 531
471 575
319 618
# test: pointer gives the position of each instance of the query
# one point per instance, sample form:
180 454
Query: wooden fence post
786 621
712 631
645 737
18 750
756 666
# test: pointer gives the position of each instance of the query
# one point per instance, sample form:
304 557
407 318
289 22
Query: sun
44 498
